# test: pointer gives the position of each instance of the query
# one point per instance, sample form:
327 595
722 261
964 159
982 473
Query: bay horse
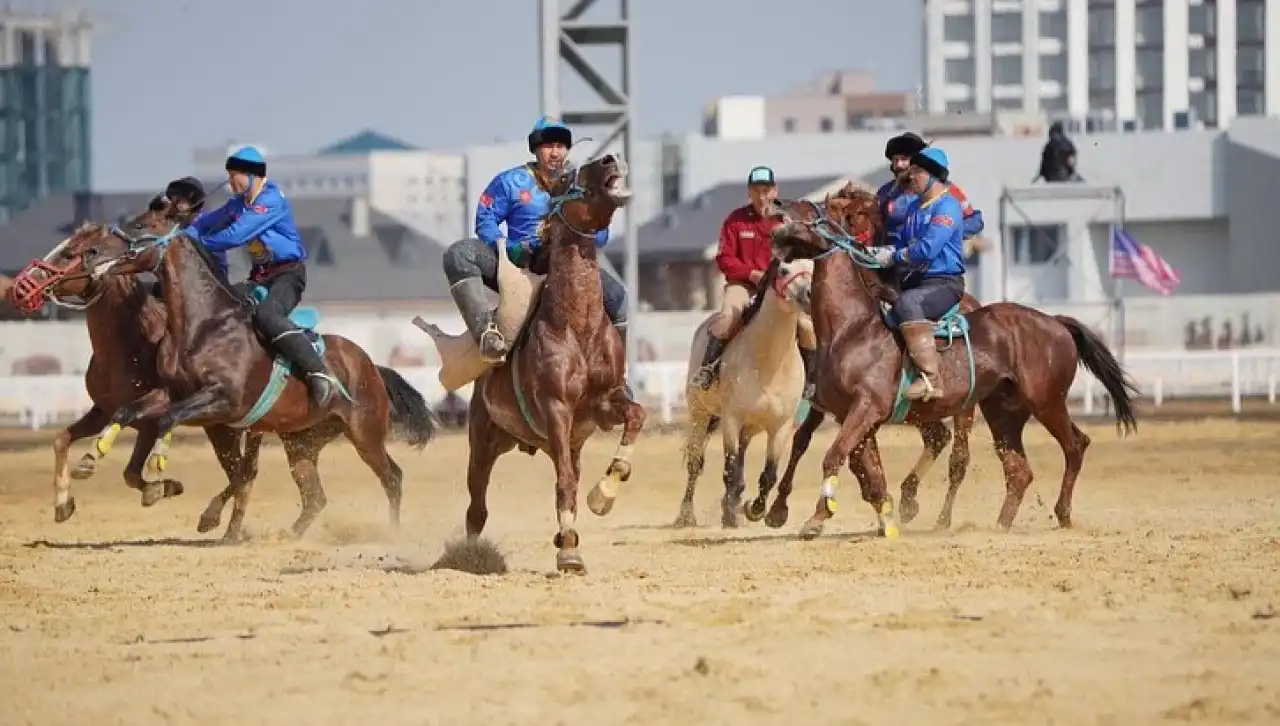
1015 362
758 390
566 376
126 324
215 370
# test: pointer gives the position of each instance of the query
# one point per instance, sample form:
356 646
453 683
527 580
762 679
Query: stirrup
491 339
706 375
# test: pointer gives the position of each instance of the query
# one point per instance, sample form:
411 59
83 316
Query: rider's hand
755 277
883 255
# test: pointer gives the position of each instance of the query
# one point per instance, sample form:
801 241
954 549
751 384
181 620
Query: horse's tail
410 414
1098 359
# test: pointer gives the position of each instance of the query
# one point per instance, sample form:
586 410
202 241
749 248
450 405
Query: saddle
949 326
307 319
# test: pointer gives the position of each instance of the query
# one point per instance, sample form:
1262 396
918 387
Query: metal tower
563 35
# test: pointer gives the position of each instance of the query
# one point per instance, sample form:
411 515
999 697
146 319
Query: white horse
758 389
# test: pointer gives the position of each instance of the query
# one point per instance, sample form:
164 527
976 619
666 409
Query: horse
1015 362
126 325
759 387
934 435
565 377
215 370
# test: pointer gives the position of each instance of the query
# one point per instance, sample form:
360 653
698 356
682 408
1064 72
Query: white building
1128 64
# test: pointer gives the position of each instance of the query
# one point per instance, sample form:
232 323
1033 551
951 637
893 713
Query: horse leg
1074 442
735 483
695 457
64 505
778 447
487 442
88 462
159 459
152 491
935 436
859 423
559 424
1007 417
369 435
237 467
302 450
779 512
601 497
958 465
867 468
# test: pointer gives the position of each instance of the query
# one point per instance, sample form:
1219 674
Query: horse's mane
855 190
859 191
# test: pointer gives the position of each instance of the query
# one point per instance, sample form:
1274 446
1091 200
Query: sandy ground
1158 608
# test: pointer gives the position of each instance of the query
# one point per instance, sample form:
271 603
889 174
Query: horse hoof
63 512
152 492
777 516
84 468
233 537
942 525
731 517
598 502
907 510
569 560
173 488
685 519
890 530
810 530
754 510
208 523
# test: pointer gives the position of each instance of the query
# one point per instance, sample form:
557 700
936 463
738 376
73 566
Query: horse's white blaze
57 250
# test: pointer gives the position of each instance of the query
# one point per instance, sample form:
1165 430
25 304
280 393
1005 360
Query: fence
41 401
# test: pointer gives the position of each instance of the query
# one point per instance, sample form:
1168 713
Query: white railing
40 401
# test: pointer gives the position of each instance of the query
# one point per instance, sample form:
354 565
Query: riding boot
706 374
295 346
809 359
469 295
924 353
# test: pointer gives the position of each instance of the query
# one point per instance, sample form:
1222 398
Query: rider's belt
261 272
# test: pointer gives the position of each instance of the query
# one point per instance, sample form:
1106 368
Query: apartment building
1105 64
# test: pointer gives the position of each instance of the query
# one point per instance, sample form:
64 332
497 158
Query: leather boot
706 374
923 350
295 346
470 297
809 358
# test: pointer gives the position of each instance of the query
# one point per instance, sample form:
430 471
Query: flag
1133 260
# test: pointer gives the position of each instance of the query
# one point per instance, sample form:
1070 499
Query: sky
169 76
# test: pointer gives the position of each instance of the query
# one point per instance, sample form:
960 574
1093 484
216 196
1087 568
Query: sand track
1158 608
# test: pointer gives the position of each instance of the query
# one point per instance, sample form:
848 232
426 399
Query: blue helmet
934 161
249 160
549 131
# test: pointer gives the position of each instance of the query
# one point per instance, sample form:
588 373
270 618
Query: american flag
1133 260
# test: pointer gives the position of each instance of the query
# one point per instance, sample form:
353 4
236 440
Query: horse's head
848 219
793 282
139 243
65 276
587 199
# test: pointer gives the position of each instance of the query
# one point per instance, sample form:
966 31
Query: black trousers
928 298
284 292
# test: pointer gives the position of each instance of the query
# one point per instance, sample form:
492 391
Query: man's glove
883 256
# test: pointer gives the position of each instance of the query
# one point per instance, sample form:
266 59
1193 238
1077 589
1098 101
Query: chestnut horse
1014 361
566 376
217 372
126 323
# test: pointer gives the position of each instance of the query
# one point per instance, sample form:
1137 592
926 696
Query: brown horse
566 377
126 324
217 372
1015 362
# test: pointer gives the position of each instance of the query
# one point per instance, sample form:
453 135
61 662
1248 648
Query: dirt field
1158 608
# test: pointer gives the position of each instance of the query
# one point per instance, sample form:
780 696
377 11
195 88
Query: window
1102 69
957 29
825 124
1008 104
959 70
1249 102
854 120
1053 24
1203 20
1151 110
1006 70
1053 68
959 106
1150 69
1205 104
1202 63
789 125
1006 27
1250 21
1150 25
1102 26
1251 66
1035 244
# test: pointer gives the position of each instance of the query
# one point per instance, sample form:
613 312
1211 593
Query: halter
576 192
840 239
135 246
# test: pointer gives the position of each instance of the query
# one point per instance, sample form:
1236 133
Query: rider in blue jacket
895 196
259 218
518 199
930 246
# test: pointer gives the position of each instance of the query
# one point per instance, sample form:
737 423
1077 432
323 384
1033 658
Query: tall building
1126 64
44 107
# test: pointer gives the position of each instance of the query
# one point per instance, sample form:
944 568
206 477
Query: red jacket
745 244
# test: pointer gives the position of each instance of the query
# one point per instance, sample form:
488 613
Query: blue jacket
265 224
933 236
515 198
896 201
